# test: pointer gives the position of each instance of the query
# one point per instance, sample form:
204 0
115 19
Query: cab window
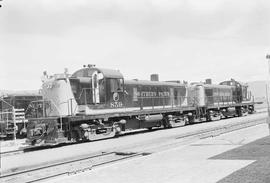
116 85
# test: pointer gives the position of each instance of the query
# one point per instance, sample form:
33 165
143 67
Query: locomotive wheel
208 116
215 118
118 131
171 123
164 123
186 122
75 136
191 120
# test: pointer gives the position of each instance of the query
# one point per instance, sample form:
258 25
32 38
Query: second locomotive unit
96 103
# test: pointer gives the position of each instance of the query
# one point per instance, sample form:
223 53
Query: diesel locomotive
95 103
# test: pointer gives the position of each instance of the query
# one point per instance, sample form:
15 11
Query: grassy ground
257 172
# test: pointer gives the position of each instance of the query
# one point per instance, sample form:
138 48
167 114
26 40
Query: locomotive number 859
95 103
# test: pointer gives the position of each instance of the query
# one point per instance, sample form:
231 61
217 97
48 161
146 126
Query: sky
178 39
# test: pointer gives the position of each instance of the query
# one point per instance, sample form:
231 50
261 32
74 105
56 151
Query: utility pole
267 98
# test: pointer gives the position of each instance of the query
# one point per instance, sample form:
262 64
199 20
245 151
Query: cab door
95 88
115 89
239 96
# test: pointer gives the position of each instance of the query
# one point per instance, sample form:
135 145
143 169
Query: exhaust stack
154 77
208 81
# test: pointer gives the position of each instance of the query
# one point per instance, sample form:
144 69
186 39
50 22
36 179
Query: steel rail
32 149
53 164
187 138
253 122
117 156
25 175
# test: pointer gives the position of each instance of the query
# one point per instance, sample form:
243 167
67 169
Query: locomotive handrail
50 102
70 107
31 106
85 98
60 116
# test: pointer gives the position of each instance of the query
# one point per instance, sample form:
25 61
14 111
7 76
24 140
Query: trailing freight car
15 108
96 103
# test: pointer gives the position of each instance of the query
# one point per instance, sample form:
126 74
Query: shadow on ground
259 171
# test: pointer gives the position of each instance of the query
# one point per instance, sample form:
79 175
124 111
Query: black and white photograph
135 91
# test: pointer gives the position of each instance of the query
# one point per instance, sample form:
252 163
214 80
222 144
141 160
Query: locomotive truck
95 103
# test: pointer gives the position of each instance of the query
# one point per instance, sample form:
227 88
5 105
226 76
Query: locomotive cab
95 87
239 91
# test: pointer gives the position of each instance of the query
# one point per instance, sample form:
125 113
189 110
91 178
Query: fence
11 121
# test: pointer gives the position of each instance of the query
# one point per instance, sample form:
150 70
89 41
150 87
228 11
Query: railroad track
67 167
158 145
11 152
88 162
27 149
38 148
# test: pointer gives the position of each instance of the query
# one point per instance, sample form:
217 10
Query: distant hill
258 88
